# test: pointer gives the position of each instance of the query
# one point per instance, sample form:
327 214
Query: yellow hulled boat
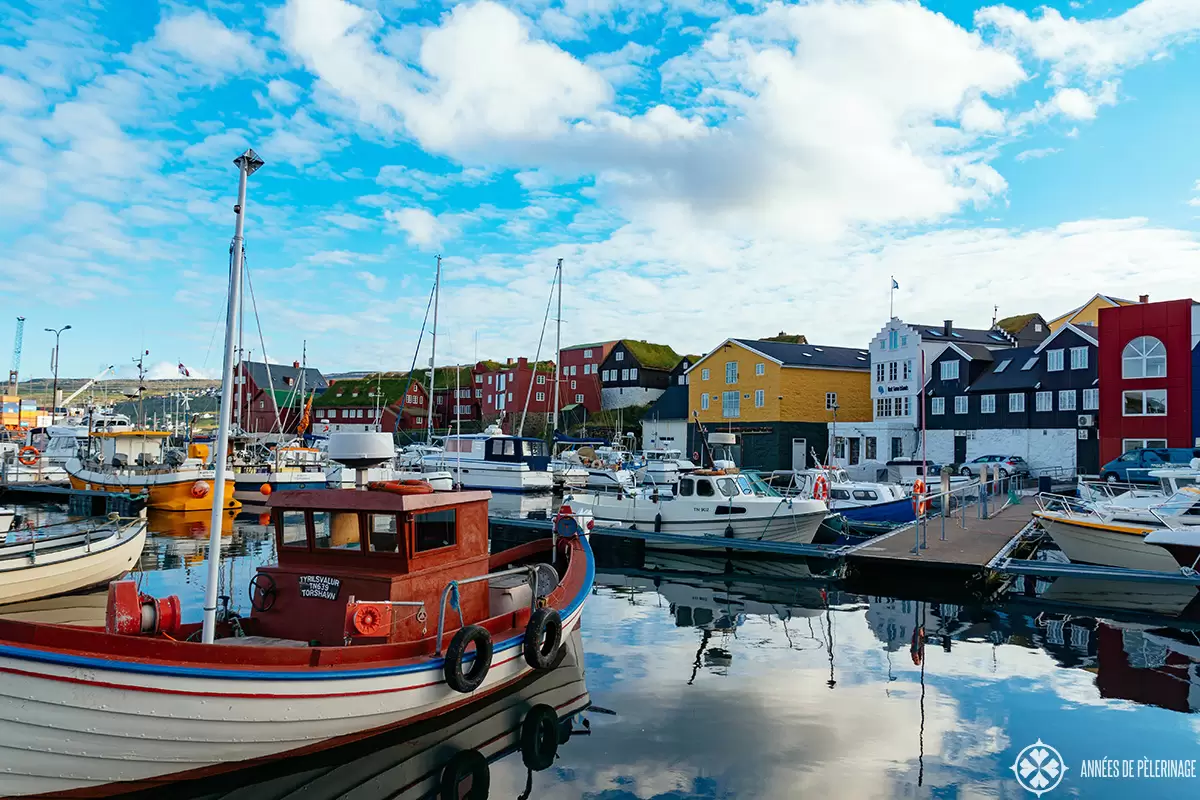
140 462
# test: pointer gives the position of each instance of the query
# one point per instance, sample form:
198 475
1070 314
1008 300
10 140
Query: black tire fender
543 636
465 764
458 675
539 737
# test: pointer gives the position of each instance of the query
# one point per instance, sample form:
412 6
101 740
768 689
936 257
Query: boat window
433 530
534 448
702 616
745 484
728 487
509 448
383 533
1182 482
865 494
294 533
336 531
839 494
686 487
497 447
704 488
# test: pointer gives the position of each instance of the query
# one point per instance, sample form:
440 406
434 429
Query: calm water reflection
753 679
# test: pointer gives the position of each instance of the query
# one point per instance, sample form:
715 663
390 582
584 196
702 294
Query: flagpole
892 299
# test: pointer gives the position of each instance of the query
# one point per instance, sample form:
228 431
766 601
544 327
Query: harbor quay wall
1041 447
625 396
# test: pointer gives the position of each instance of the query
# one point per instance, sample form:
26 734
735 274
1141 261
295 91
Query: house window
987 404
907 372
731 370
760 398
541 397
1044 401
960 404
949 370
1151 403
1079 358
1003 365
904 341
731 405
1016 402
871 449
1144 357
683 380
760 368
587 353
887 406
489 380
619 355
703 374
261 405
1054 360
574 369
938 406
893 339
573 382
1091 399
879 406
704 402
541 379
479 379
632 376
893 370
1066 400
830 401
510 397
1138 444
491 399
879 372
625 374
906 406
1037 327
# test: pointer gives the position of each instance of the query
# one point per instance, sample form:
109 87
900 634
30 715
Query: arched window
1144 357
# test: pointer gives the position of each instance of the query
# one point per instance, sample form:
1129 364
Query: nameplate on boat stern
322 587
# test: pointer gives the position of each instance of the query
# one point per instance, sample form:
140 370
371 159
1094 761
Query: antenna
18 340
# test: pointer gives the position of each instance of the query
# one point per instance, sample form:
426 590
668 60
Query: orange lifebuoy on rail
401 487
821 488
29 455
920 502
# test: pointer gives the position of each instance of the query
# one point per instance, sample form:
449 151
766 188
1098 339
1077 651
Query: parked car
1135 466
1008 465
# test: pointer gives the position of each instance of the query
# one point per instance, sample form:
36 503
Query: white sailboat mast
557 356
248 163
437 291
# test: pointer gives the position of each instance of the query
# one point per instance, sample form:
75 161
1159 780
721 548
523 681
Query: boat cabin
498 448
131 448
378 546
1172 480
721 486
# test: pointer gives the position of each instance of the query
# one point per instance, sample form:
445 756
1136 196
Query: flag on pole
894 284
306 419
184 371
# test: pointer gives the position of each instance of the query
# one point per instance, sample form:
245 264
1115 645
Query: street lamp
54 365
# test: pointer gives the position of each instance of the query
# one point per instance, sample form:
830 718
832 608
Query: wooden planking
970 548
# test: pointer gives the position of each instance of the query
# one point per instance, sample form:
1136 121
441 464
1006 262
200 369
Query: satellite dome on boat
361 449
717 438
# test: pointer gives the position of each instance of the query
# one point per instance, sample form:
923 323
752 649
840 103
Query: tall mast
241 368
557 356
437 291
247 163
303 372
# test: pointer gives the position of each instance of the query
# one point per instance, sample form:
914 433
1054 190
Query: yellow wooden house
1088 314
779 396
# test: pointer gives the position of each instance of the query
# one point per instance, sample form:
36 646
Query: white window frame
1138 352
1139 444
987 404
625 374
541 397
1069 405
937 405
541 379
760 398
731 404
619 355
961 404
1079 358
879 372
1054 360
704 402
760 368
1016 402
704 374
1091 400
907 371
1043 401
731 373
830 400
632 376
578 398
587 353
949 370
1143 394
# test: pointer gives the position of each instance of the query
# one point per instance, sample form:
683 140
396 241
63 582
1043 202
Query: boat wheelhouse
493 460
385 608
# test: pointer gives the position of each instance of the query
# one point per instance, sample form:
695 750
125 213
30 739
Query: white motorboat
606 466
7 515
1091 536
568 476
66 557
664 467
860 501
494 460
287 466
1154 505
709 503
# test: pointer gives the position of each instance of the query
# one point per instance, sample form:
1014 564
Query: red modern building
502 389
1147 376
581 374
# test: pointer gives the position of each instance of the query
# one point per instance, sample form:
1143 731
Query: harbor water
711 678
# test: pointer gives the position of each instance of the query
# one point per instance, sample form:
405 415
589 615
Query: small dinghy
67 556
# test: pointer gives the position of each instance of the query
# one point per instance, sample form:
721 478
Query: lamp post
54 365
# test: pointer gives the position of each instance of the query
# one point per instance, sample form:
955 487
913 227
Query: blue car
1135 466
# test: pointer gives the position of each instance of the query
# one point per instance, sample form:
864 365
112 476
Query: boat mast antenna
437 291
557 356
536 358
248 163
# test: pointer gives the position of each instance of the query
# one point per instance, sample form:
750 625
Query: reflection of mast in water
705 635
919 657
829 640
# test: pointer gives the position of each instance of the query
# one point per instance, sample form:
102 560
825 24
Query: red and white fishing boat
384 608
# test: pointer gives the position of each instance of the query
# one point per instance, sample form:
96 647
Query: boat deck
971 547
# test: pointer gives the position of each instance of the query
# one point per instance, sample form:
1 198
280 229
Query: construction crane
87 385
13 373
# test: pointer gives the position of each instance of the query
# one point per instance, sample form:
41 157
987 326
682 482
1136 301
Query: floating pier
79 502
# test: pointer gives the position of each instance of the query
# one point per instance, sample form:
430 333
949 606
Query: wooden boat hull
70 571
165 491
1110 545
74 722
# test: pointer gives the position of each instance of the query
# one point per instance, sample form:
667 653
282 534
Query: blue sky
705 169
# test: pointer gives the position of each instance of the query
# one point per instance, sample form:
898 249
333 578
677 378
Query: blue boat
897 512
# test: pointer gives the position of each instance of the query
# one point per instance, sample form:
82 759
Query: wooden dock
80 502
970 548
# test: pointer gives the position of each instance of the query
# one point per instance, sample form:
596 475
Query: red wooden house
581 374
502 389
371 403
261 389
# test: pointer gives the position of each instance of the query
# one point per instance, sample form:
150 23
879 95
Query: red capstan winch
366 618
131 613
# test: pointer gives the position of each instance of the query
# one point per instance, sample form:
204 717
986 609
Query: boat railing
84 531
1064 504
530 571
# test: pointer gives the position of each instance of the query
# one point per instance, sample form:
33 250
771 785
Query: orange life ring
401 487
29 455
821 488
200 489
920 502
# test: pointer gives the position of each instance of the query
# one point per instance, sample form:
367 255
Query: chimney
522 362
295 365
1143 298
948 327
509 361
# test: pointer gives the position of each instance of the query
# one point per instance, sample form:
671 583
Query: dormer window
950 370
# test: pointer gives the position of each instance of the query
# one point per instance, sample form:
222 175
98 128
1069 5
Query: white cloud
283 92
428 185
300 140
423 228
977 115
624 66
351 222
204 40
372 282
1037 152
